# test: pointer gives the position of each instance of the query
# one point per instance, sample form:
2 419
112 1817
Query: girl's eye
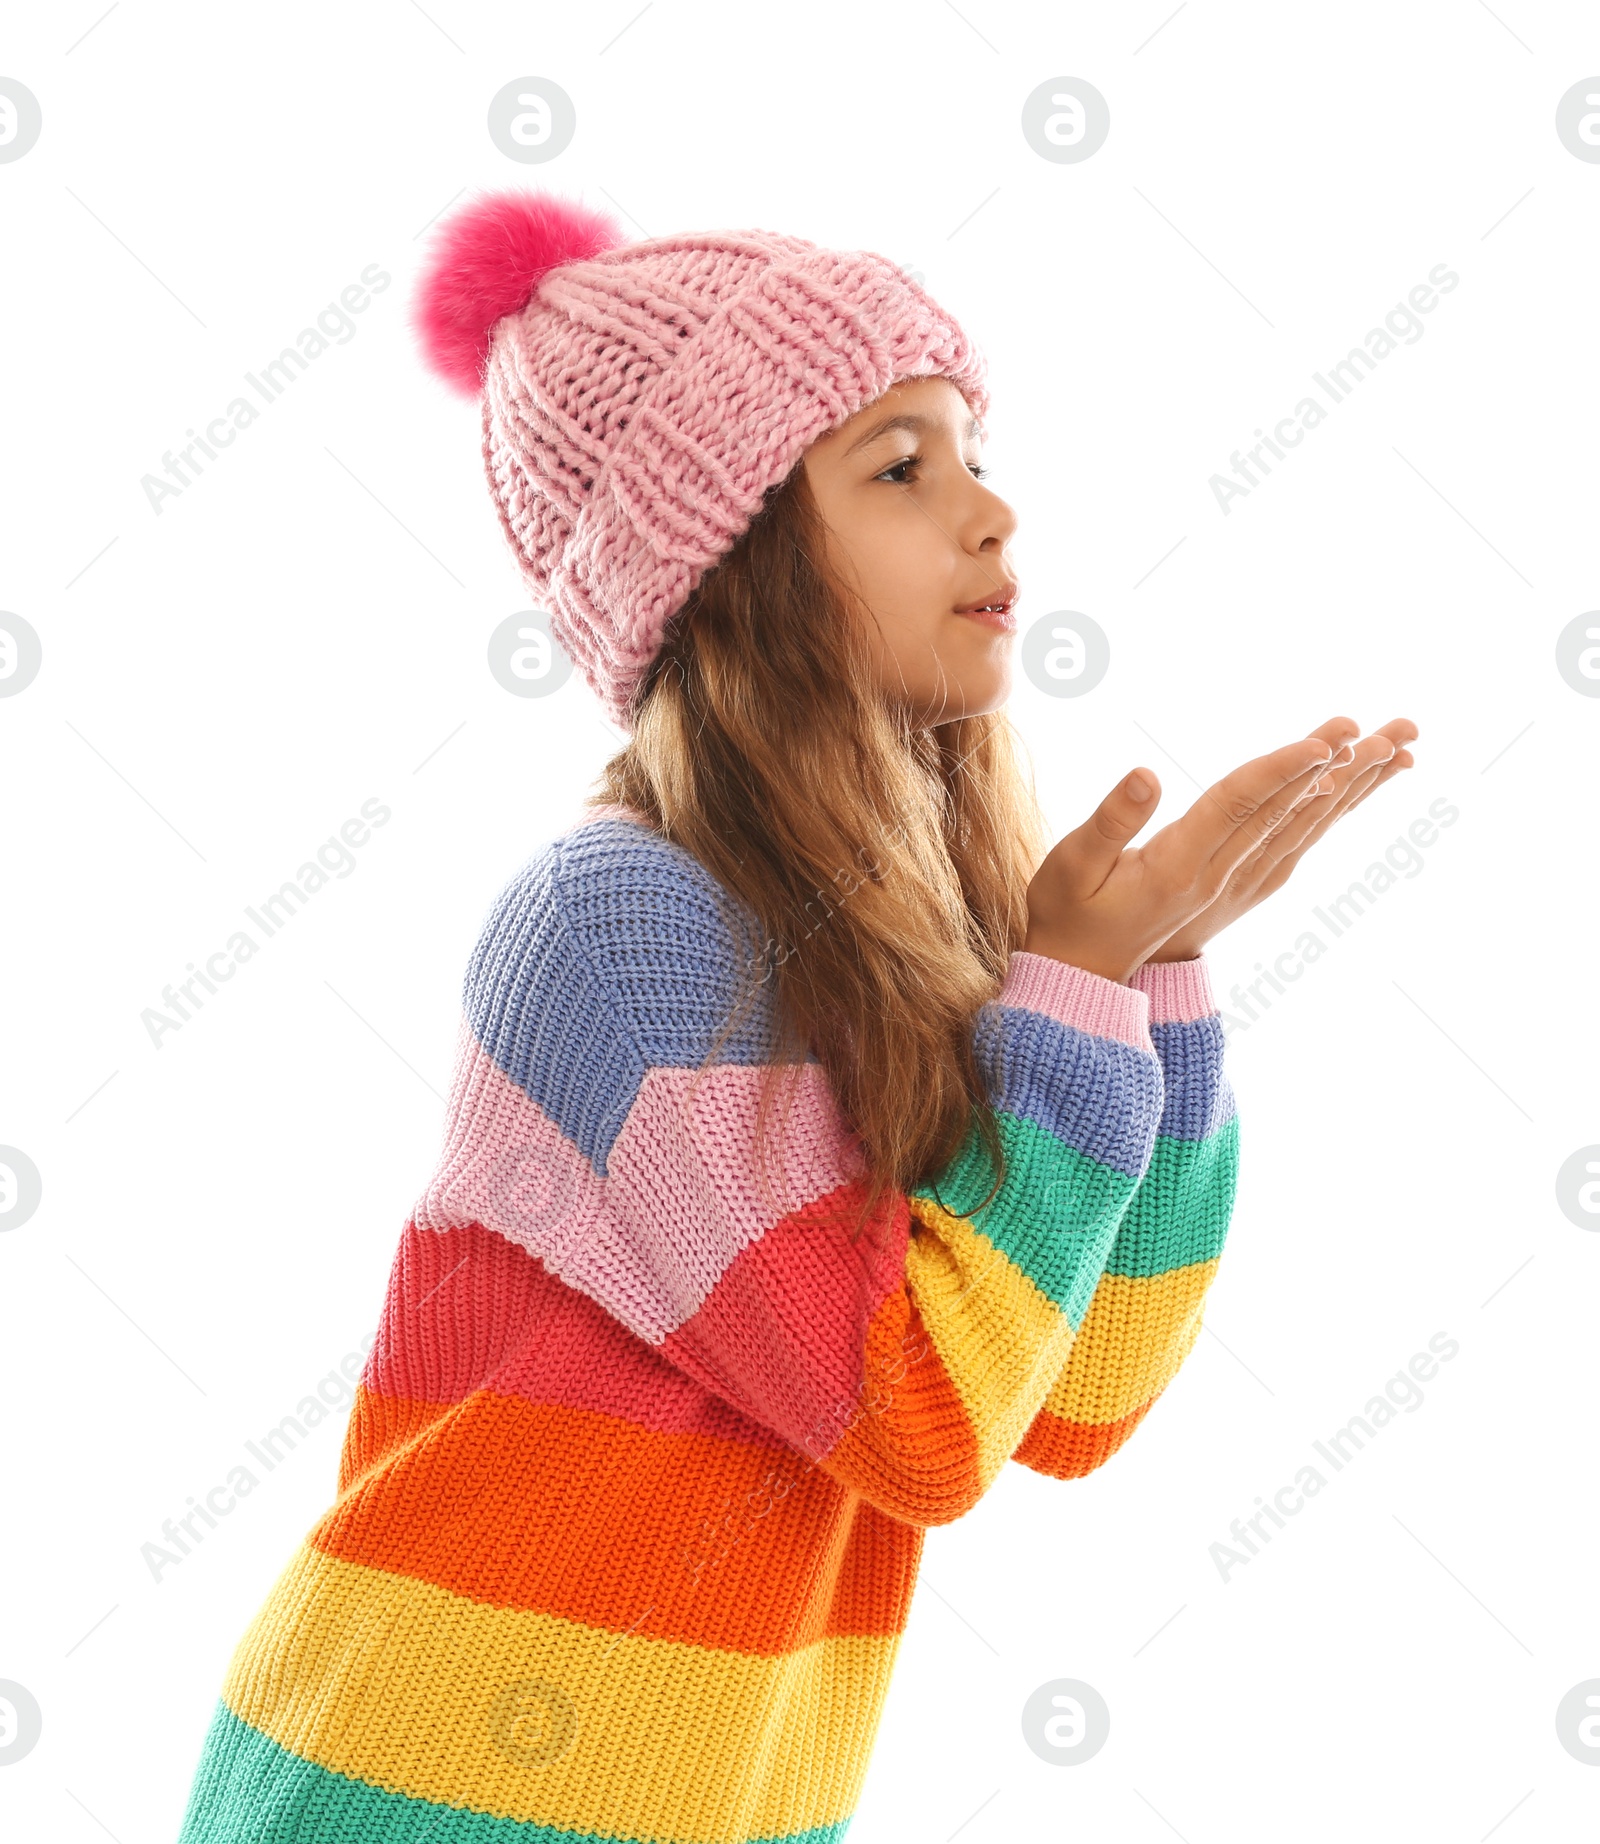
915 461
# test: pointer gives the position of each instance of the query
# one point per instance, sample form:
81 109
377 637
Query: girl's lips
1001 618
996 609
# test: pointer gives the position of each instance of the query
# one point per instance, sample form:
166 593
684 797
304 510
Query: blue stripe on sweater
611 952
1198 1098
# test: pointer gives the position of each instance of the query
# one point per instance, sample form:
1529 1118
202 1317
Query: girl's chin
977 692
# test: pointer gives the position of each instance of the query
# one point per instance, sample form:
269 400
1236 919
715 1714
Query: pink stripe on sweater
507 1166
1074 996
1179 990
684 1156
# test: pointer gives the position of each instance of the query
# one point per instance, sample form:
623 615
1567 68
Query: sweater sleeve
1147 1308
605 1118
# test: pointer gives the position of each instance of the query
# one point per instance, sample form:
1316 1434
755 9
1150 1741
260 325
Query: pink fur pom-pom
485 261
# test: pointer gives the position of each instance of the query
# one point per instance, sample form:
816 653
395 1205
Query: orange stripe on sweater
379 1426
554 1509
1069 1449
908 1405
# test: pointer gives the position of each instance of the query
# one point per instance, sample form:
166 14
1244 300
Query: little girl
817 1142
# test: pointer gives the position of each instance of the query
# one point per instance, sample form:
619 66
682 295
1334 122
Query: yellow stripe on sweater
1132 1343
402 1684
983 1313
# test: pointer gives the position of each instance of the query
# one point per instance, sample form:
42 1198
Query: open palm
1372 761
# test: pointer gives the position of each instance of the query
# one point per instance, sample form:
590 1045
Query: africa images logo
1401 324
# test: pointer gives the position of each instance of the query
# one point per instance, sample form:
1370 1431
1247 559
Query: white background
224 683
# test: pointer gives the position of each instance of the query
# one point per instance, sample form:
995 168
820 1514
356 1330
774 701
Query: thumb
1098 842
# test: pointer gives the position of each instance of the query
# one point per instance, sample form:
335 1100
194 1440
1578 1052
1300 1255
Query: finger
1096 845
1227 865
1312 817
1353 755
1401 761
1319 806
1284 849
1307 793
1338 733
1398 731
1367 757
1376 759
1291 841
1248 873
1354 767
1258 794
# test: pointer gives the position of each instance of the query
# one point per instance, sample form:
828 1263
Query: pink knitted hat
640 399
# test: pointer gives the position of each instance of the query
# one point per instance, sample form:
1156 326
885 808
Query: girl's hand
1357 768
1105 906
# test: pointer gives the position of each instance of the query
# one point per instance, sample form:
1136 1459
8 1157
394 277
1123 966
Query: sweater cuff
1179 991
1074 996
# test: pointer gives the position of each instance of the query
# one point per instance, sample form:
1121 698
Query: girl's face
915 532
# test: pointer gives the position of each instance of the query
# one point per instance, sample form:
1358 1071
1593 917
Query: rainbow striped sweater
632 1497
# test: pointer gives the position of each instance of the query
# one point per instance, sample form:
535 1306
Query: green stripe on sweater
254 1792
1179 1214
1054 1217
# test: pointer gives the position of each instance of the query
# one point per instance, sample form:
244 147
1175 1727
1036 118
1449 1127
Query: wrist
1182 946
1105 966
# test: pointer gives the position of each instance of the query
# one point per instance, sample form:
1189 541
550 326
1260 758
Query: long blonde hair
884 866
